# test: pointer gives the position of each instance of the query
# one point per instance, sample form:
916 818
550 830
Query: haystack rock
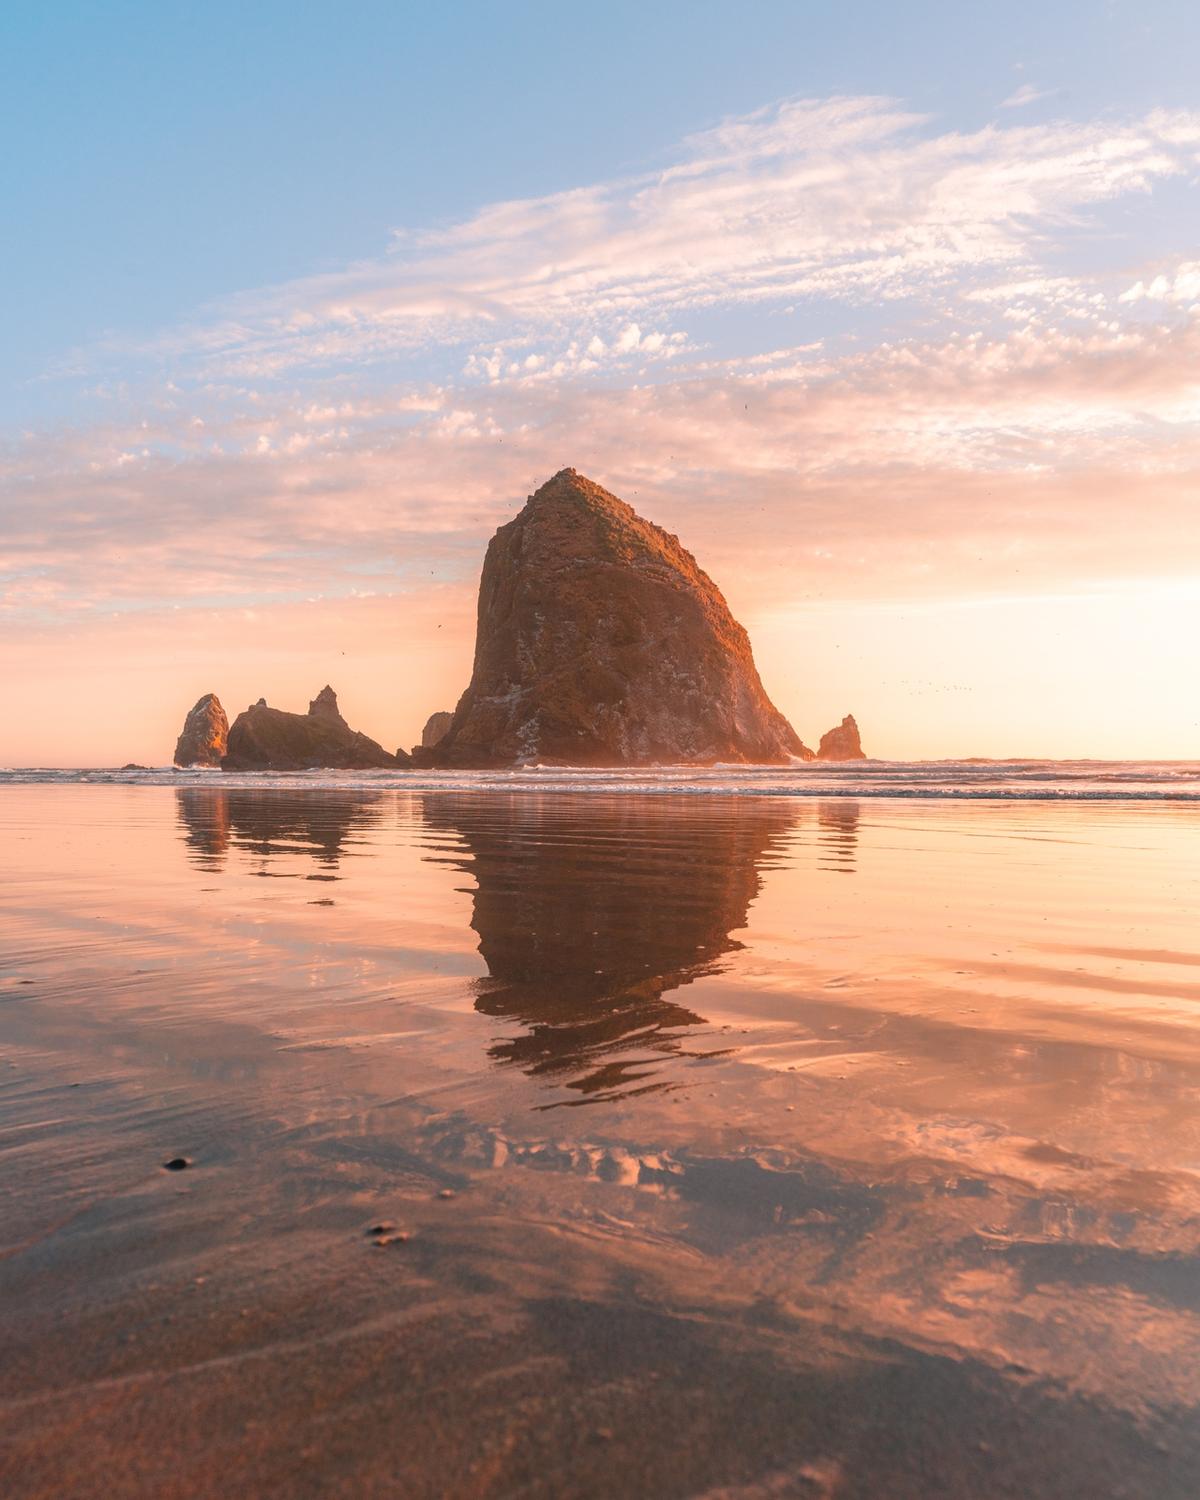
205 734
600 642
842 743
268 739
435 729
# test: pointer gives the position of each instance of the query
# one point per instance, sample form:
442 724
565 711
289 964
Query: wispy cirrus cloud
914 465
1027 93
844 201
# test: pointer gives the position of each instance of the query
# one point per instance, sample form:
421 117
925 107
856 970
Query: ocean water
962 779
806 1137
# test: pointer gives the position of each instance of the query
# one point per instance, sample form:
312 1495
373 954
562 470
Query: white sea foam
1049 780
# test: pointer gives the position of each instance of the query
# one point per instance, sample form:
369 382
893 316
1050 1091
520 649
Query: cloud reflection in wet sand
901 1201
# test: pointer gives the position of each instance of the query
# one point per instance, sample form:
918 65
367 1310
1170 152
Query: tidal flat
538 1144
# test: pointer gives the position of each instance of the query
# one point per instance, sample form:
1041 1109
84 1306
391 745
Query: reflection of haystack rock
274 826
588 914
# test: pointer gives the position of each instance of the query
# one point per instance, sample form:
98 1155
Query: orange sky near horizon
1057 677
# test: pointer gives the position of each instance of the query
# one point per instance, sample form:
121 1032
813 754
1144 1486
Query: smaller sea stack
205 734
435 729
268 739
842 742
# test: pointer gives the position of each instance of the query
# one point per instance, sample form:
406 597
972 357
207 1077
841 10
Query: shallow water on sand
734 1145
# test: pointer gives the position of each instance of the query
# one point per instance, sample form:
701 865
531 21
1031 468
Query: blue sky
165 155
892 313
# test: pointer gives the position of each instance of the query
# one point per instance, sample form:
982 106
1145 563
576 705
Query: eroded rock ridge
269 739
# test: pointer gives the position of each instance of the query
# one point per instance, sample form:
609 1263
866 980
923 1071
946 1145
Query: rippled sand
730 1146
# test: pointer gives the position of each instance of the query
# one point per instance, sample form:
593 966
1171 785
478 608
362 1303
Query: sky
892 316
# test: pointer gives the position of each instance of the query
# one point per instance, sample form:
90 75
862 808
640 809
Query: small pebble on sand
177 1163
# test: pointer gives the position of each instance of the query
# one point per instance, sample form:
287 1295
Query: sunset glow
600 750
916 382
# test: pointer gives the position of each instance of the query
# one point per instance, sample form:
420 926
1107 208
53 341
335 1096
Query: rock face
268 739
205 734
601 642
435 729
325 706
842 743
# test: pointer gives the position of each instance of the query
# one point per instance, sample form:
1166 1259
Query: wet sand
731 1146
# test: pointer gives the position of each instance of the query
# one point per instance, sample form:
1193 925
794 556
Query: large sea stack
205 734
600 642
268 739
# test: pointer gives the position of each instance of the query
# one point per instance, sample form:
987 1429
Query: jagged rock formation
435 729
205 734
601 642
268 739
842 743
325 706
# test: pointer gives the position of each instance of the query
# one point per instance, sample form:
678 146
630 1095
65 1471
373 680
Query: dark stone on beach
204 736
842 742
269 739
384 1227
601 642
177 1164
446 1193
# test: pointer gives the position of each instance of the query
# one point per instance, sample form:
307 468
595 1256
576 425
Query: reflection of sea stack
842 742
204 814
268 739
601 642
205 732
588 917
274 826
837 822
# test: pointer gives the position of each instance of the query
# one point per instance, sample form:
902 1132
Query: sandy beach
738 1147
